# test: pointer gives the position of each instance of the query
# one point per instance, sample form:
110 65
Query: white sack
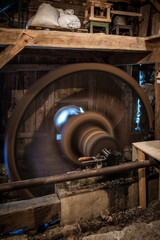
61 11
46 16
69 11
29 21
69 21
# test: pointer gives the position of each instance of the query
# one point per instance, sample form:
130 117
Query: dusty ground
137 220
137 231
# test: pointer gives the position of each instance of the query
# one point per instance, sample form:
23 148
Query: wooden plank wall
19 77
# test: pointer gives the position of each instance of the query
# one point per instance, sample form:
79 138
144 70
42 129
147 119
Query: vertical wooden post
91 26
108 14
142 181
159 186
107 28
144 20
86 14
117 30
157 110
92 10
157 102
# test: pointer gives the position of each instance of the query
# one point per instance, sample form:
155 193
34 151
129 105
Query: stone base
86 199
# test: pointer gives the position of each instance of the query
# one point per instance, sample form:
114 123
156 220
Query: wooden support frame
157 100
90 14
22 41
127 27
152 57
139 149
142 181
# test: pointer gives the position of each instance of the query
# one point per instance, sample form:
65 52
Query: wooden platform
151 148
18 39
75 40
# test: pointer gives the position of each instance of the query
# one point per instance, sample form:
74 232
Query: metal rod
75 175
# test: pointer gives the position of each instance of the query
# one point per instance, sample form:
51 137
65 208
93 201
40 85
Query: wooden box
104 14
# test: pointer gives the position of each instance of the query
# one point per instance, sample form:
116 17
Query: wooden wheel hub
86 135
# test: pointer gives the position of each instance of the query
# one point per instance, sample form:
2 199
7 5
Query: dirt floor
105 226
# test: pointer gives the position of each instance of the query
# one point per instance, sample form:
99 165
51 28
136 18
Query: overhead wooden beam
74 40
153 38
153 41
19 43
8 68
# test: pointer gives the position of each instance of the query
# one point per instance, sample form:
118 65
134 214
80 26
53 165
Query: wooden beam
142 181
156 4
144 20
22 41
152 38
74 40
29 67
125 13
151 57
159 185
150 148
29 214
157 101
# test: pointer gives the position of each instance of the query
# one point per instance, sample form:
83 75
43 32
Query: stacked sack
51 17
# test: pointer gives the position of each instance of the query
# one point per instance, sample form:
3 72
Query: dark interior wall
148 24
29 8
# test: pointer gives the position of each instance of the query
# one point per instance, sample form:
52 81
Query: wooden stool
128 27
91 24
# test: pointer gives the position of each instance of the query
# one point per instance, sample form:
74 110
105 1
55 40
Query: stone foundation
88 198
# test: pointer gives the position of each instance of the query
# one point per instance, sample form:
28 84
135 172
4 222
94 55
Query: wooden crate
105 11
